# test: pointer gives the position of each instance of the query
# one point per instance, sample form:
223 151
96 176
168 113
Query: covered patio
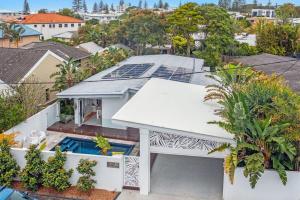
176 123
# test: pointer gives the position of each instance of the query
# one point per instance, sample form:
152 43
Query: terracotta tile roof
47 18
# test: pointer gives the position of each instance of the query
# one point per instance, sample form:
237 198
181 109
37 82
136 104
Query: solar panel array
129 71
176 74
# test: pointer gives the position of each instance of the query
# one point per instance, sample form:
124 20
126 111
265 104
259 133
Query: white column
144 162
77 117
58 110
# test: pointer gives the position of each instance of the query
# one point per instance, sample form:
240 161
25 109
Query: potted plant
103 144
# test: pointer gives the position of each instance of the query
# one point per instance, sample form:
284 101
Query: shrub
103 144
32 175
55 175
86 183
8 165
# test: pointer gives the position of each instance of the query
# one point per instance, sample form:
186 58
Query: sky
17 5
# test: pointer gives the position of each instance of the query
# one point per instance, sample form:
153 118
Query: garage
187 177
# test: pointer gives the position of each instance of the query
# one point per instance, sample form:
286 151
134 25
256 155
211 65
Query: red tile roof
48 18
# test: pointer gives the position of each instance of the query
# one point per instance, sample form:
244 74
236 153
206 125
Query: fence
40 122
109 169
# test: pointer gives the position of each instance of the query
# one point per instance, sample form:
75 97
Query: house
268 13
101 17
64 51
249 39
99 97
90 47
288 67
18 65
50 24
66 36
173 121
28 36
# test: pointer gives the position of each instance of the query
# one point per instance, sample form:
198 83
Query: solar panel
129 71
176 74
182 75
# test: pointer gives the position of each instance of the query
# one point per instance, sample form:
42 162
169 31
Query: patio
130 134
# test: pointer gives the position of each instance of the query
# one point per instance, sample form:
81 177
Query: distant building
268 13
50 24
66 36
236 15
28 36
102 17
10 13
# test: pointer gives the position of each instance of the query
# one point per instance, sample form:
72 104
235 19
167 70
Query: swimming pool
86 146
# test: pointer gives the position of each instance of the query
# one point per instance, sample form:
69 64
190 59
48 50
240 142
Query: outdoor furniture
65 118
36 137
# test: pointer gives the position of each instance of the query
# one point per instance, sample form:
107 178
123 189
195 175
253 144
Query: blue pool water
86 146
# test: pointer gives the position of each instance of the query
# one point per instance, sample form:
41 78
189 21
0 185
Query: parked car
11 194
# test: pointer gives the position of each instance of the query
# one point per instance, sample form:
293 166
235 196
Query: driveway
182 177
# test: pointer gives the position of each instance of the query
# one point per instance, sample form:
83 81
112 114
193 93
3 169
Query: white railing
131 171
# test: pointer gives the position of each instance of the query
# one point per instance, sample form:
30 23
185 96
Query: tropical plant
263 115
103 144
85 167
68 74
12 32
8 166
54 174
32 175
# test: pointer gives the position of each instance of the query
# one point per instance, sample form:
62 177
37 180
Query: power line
148 77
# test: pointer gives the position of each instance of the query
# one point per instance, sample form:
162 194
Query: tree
121 3
225 4
166 5
160 4
85 167
101 6
106 9
77 5
112 8
68 12
26 9
265 129
66 76
32 175
43 10
95 8
103 144
140 4
277 39
8 166
145 4
12 32
155 6
285 12
54 174
184 22
84 6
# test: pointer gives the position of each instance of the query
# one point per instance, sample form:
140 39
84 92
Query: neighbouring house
101 17
28 36
249 39
288 67
64 51
99 97
268 13
66 36
18 65
90 47
50 24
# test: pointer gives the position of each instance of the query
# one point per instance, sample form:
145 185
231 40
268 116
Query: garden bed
72 192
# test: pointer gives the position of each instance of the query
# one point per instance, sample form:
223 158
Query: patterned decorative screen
131 171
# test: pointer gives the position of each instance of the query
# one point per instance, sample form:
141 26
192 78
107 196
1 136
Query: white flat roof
175 106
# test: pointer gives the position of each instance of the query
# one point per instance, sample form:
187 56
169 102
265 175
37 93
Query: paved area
183 178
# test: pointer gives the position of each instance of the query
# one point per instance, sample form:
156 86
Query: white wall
49 32
110 106
107 178
268 187
39 122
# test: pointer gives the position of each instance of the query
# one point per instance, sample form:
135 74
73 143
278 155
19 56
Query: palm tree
12 32
67 75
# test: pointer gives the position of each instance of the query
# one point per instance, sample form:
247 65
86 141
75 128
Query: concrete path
183 178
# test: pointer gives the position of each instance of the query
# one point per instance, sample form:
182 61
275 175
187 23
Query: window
47 94
35 26
50 26
43 25
79 25
66 25
60 25
72 25
53 25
